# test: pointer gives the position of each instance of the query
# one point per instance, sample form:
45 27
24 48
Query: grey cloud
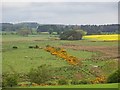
68 13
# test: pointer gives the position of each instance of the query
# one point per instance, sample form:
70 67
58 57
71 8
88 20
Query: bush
115 77
77 82
62 82
24 32
74 82
40 75
84 82
9 80
51 83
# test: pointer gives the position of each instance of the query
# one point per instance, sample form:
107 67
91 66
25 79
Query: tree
71 35
82 32
24 32
50 31
70 38
58 32
90 29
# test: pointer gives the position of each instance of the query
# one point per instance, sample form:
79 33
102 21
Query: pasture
97 57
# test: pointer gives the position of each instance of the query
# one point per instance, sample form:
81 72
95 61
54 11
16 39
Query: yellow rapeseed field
103 37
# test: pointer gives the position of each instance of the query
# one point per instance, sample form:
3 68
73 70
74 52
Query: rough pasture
106 51
23 59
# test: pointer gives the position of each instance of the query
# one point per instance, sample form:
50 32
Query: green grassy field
35 57
24 56
21 60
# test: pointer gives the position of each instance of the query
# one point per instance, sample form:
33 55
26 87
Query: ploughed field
97 58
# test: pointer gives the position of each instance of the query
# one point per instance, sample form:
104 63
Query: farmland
103 37
98 58
59 45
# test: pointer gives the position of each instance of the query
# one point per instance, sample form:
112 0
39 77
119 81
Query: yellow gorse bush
100 79
60 52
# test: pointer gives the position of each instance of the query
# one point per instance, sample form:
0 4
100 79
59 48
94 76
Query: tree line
59 28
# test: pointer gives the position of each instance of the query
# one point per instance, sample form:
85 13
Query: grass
24 59
21 60
11 38
81 54
16 58
43 40
113 85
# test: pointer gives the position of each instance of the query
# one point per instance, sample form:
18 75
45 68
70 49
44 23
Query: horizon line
55 23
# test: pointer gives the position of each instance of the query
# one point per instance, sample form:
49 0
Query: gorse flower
100 79
62 53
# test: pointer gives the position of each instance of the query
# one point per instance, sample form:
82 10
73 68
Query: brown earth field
106 51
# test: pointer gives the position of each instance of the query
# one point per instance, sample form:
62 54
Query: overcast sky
60 12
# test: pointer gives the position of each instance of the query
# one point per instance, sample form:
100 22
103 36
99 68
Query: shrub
84 82
77 82
74 82
51 83
62 82
24 32
115 77
15 47
40 75
31 46
100 79
9 80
